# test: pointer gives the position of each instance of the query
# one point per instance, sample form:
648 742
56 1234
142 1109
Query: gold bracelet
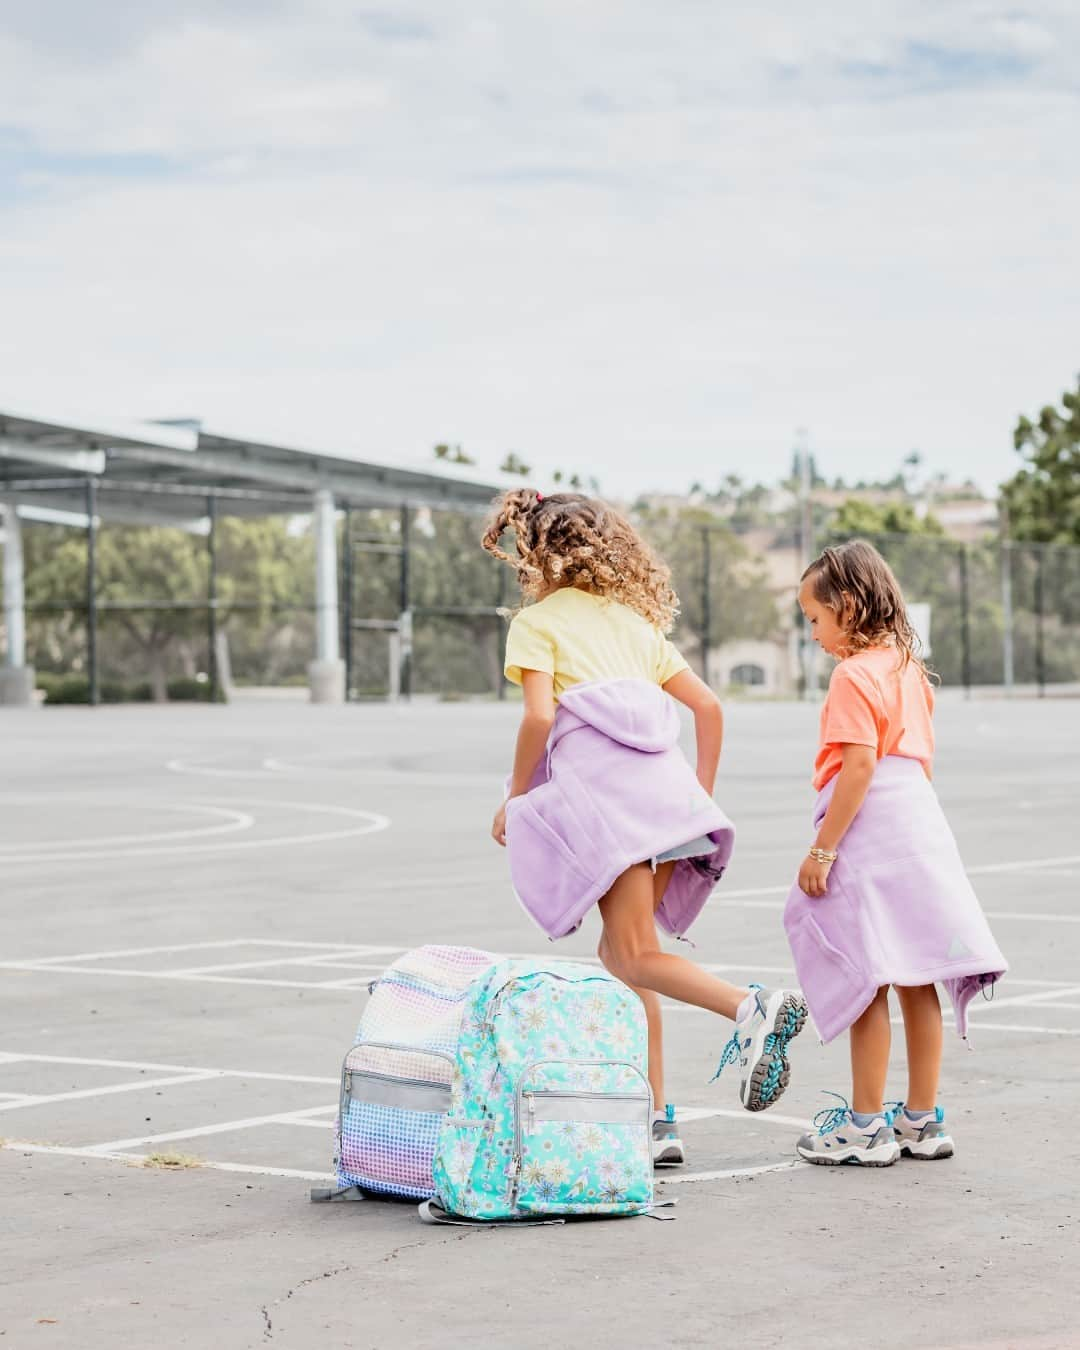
824 855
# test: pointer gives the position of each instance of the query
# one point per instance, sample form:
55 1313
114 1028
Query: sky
641 242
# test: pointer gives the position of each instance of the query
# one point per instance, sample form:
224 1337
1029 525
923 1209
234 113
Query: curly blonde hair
857 584
571 540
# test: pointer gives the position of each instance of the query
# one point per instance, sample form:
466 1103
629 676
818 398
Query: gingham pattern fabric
418 1002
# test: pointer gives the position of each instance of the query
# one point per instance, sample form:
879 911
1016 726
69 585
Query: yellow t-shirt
575 636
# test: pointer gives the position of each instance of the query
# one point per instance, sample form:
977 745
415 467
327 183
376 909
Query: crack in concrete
392 1255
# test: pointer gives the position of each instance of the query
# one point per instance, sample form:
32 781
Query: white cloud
647 243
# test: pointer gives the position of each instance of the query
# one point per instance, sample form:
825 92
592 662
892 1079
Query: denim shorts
696 848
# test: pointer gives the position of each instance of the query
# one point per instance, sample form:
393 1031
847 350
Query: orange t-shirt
871 701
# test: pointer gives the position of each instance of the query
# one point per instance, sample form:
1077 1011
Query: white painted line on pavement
374 822
200 1131
299 1174
199 1076
265 963
94 847
173 1068
248 1169
690 1113
35 969
1008 1026
727 1174
134 951
1046 998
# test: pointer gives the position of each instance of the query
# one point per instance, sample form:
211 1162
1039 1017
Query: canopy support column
16 677
327 672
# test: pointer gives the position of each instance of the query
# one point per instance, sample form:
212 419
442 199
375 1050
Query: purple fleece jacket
899 907
614 789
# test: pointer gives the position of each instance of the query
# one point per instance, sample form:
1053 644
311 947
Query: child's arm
536 720
708 722
852 784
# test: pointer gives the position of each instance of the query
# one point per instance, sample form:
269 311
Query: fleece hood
633 713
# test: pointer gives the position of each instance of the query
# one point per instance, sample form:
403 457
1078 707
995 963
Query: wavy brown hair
857 584
570 540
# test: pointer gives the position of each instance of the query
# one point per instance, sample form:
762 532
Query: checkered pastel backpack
395 1081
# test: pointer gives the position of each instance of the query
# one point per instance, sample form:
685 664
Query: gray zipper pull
515 1168
532 1112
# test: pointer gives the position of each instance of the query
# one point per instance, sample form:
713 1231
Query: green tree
855 517
1043 499
147 579
515 465
741 602
452 454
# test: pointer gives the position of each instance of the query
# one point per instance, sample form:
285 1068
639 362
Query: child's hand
813 877
498 826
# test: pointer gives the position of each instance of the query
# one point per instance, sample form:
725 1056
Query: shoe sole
787 1021
671 1157
860 1157
929 1151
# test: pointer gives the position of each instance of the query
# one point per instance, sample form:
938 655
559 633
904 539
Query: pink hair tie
539 497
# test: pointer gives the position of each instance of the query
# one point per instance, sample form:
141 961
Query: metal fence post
965 621
94 690
403 607
500 601
212 598
347 596
1040 652
706 601
1008 673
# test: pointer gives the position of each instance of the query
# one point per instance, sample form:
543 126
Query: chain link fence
158 612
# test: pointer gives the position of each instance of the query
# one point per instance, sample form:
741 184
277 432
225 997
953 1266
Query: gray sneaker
667 1147
760 1041
926 1138
837 1139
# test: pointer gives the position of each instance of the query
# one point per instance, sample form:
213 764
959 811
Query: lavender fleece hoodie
614 789
899 907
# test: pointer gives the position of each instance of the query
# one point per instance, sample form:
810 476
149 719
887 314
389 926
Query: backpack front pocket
389 1122
579 1151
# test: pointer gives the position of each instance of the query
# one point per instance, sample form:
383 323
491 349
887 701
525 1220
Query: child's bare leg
654 1021
653 1014
922 1029
871 1038
631 951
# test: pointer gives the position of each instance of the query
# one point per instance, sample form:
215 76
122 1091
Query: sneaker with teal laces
760 1043
922 1134
667 1147
837 1138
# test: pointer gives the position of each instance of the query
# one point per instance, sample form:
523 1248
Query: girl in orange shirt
882 897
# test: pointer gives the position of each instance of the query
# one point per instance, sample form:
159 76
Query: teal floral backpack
550 1111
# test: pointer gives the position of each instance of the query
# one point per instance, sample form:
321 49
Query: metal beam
69 458
366 485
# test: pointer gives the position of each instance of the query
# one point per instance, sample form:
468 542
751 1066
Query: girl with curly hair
602 806
882 897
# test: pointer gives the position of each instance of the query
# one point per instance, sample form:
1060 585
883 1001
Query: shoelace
830 1118
732 1052
730 1055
